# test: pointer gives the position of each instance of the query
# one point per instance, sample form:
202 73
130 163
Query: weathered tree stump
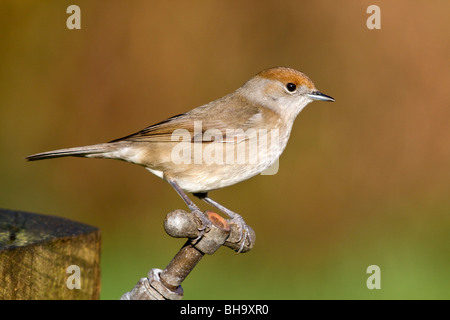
46 257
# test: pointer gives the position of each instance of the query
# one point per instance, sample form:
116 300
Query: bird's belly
207 178
216 165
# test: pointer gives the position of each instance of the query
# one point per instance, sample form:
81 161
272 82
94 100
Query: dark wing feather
160 131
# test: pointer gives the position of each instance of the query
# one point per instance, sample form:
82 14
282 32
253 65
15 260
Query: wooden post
46 257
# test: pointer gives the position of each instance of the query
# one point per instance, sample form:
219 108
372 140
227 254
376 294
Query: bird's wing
203 124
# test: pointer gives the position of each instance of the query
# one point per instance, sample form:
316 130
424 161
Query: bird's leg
193 207
233 215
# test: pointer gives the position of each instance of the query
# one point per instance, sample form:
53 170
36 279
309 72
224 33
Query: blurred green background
364 180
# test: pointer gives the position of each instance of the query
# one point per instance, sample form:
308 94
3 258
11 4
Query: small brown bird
218 144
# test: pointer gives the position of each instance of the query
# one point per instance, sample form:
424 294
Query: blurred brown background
363 181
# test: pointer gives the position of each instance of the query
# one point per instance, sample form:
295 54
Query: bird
218 144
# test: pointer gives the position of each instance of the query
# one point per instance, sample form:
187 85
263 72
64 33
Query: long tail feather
93 150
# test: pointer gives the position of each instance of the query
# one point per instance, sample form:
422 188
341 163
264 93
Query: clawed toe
205 223
244 231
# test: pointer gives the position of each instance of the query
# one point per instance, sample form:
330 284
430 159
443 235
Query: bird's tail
94 151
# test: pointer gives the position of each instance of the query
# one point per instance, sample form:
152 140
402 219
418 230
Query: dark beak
317 95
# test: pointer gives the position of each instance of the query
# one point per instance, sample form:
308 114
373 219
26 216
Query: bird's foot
244 231
205 223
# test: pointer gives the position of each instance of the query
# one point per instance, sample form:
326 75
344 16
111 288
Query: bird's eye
291 87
